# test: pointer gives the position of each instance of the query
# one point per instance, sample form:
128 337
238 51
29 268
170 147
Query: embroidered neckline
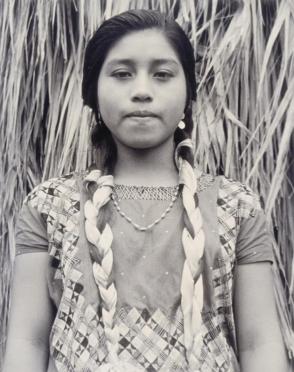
123 192
132 192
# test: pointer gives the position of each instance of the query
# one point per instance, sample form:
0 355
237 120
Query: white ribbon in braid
102 268
193 240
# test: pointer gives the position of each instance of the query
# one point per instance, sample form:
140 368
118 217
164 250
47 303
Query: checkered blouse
147 274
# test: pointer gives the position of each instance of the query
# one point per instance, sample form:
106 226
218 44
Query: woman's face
142 90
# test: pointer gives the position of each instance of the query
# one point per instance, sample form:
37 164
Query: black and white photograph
147 186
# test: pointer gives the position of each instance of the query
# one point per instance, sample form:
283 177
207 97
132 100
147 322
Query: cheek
106 102
176 100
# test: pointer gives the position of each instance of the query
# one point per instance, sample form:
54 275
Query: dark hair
111 31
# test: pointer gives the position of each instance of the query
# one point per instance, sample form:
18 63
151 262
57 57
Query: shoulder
239 195
54 189
231 194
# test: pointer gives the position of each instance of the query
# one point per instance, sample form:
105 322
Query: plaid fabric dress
150 337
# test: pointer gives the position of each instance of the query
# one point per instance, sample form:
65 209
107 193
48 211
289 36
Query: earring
181 125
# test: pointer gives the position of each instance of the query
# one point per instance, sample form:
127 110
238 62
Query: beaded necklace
143 192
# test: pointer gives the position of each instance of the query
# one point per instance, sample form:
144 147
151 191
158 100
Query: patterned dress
147 272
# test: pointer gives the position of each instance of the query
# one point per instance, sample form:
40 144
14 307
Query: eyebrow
129 61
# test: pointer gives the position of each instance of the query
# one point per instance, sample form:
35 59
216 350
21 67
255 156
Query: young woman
142 263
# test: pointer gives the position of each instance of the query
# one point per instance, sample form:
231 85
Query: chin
142 145
140 141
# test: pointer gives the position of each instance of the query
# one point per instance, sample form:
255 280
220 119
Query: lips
141 114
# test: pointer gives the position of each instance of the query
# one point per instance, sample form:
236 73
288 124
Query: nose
142 90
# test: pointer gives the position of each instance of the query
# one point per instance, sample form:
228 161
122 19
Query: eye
163 75
121 74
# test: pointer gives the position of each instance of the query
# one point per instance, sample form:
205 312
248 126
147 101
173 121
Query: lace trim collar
144 192
123 192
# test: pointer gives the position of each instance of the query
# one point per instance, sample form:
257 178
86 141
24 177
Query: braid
102 269
193 240
102 265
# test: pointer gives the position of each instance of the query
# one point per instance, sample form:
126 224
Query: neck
146 167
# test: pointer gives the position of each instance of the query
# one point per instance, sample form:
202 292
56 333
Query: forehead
142 45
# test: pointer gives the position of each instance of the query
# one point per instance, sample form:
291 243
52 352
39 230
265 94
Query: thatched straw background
244 112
